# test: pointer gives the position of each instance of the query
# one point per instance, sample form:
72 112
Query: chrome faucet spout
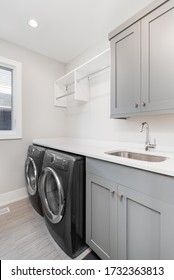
142 126
148 145
147 131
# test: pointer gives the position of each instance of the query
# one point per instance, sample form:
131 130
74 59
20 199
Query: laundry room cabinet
129 212
101 214
145 227
125 71
142 63
158 59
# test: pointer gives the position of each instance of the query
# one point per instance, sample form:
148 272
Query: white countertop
97 149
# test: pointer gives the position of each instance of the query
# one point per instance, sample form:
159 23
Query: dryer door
31 176
52 195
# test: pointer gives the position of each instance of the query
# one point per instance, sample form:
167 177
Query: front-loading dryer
33 168
62 192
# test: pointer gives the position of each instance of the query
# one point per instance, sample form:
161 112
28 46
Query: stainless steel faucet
148 145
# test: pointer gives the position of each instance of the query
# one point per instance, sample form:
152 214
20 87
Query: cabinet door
101 216
158 59
125 72
145 226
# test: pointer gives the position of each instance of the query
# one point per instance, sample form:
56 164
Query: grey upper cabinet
125 71
158 59
142 63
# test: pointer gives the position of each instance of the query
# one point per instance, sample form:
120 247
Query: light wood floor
24 236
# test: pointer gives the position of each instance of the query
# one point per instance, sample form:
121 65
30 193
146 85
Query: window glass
6 98
10 99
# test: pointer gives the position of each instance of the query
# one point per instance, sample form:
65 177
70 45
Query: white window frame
16 131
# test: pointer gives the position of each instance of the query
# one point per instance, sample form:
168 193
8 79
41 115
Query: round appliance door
52 195
31 175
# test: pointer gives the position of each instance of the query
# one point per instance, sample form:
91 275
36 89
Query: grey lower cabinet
101 216
142 63
146 227
129 212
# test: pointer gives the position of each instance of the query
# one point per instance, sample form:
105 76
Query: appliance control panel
61 163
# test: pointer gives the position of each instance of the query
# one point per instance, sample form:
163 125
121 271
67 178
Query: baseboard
13 196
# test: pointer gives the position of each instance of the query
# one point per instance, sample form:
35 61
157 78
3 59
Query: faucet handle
152 145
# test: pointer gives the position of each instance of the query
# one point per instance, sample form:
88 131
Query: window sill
10 135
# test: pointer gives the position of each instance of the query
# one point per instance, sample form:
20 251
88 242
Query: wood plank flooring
24 236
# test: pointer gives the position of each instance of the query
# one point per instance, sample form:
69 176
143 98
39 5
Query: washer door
52 195
31 175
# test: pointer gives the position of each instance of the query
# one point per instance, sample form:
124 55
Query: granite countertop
97 149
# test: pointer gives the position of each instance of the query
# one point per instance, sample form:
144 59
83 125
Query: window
5 98
10 99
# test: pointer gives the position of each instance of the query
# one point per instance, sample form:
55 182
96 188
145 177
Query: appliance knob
53 158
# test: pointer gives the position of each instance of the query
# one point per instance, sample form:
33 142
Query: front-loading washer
33 168
62 192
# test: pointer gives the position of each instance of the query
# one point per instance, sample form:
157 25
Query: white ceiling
66 27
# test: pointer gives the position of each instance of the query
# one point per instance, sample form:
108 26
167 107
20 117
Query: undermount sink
137 156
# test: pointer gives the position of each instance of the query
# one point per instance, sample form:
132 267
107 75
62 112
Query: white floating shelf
77 81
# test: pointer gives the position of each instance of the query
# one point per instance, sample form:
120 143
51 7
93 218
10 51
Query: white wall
40 119
92 119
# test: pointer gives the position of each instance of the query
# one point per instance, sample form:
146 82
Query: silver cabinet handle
136 105
143 104
112 192
120 195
